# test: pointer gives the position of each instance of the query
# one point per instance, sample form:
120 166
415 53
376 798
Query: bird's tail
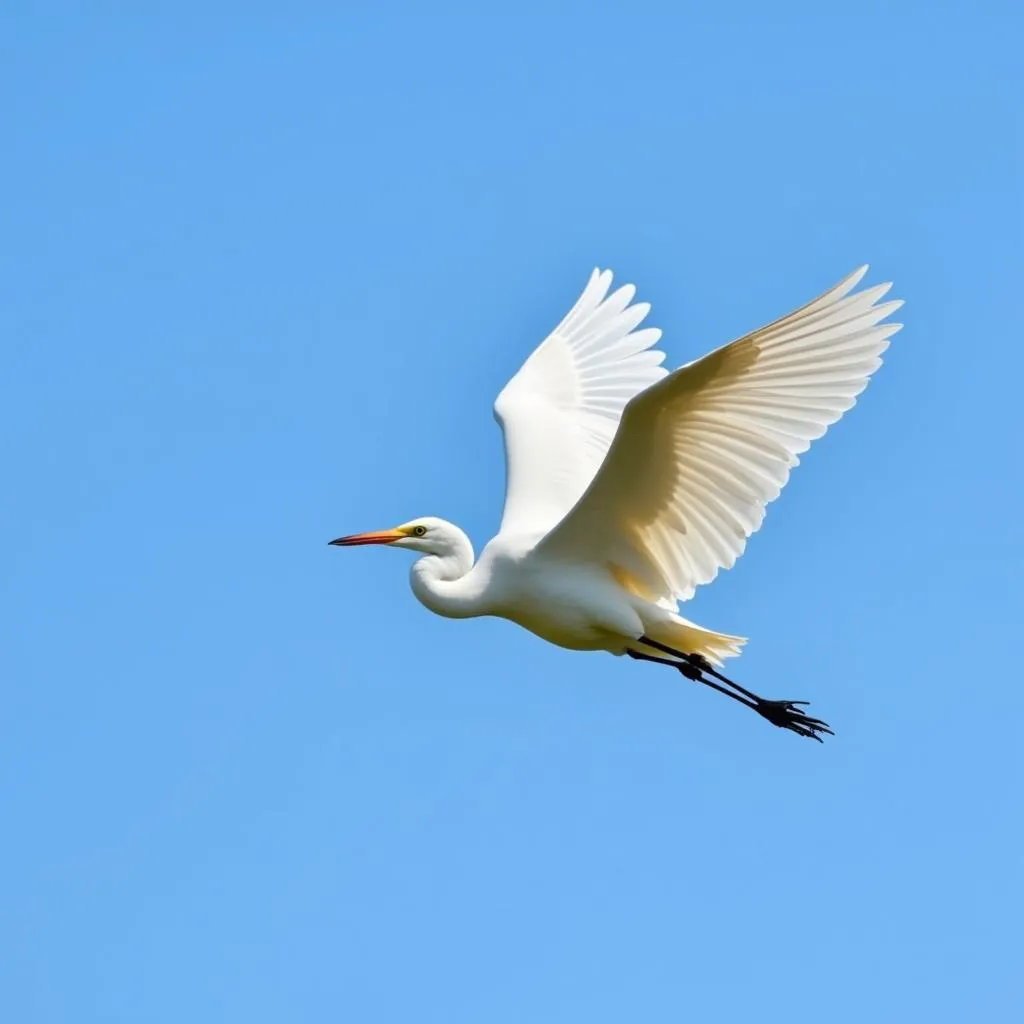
682 635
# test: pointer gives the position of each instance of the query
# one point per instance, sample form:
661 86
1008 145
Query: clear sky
263 277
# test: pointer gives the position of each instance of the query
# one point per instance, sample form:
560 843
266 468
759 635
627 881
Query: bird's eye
419 531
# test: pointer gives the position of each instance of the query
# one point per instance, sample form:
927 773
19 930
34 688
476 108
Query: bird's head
429 535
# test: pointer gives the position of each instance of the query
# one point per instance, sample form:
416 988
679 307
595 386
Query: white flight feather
665 476
559 413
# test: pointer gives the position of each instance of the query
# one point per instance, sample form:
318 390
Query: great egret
628 486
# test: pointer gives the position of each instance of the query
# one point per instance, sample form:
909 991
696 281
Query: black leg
786 714
691 673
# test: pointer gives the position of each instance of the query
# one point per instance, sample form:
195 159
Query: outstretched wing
559 413
699 455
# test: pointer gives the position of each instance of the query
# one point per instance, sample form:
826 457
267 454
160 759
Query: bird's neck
445 584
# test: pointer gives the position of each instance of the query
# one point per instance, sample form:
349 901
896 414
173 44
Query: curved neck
444 583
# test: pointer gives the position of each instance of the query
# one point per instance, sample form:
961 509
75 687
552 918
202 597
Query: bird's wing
699 455
559 413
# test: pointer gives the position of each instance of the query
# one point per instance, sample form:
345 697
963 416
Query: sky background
263 276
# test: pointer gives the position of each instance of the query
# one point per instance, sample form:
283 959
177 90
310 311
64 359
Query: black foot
787 714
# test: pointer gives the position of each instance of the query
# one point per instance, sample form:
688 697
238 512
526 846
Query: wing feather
559 413
699 454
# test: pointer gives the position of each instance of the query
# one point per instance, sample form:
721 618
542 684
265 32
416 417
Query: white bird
628 486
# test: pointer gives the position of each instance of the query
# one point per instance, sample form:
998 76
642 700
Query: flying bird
628 486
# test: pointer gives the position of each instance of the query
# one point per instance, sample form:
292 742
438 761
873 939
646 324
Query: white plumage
629 486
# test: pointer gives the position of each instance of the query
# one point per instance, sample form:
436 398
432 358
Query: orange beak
374 537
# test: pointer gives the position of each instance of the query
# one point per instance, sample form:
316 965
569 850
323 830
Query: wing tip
600 283
852 280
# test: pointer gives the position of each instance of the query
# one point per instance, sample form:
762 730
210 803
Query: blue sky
263 277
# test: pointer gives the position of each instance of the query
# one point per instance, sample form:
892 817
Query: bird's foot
788 714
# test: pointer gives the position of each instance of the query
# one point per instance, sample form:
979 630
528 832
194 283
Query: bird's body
629 486
574 605
579 605
571 604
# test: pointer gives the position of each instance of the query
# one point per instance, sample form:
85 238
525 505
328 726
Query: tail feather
682 635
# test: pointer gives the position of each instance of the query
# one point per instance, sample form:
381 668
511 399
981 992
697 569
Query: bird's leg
700 663
691 673
786 714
